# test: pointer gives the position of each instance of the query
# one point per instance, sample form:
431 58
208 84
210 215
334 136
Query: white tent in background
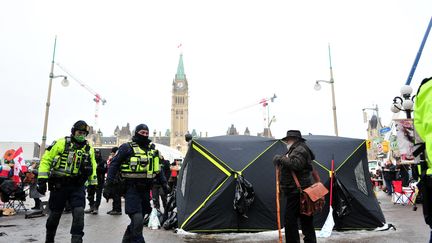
168 152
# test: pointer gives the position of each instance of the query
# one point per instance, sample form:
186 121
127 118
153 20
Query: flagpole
333 94
331 182
327 228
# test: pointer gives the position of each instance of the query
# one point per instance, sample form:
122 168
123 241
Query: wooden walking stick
278 205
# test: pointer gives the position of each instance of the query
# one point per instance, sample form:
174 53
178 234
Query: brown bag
29 178
312 199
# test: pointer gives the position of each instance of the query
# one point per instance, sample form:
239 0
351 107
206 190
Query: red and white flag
18 162
18 156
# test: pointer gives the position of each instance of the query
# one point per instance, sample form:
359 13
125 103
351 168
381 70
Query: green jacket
423 118
58 161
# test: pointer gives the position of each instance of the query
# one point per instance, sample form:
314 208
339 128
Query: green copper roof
180 75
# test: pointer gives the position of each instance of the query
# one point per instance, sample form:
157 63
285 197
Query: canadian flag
18 163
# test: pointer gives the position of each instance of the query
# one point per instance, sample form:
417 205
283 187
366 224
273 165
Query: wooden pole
278 205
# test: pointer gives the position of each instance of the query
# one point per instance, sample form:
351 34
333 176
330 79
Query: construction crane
97 97
266 111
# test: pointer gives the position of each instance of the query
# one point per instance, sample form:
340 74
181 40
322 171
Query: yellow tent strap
259 155
322 166
237 173
202 204
350 156
206 155
212 160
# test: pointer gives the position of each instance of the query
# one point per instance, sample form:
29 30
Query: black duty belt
67 180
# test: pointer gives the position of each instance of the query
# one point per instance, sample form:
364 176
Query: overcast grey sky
235 54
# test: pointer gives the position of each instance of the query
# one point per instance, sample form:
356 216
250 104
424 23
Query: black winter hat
188 137
294 134
80 126
141 127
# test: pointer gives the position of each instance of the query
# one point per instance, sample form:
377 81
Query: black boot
37 204
90 210
95 210
50 237
76 239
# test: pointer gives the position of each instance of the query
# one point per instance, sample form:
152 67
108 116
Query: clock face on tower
179 85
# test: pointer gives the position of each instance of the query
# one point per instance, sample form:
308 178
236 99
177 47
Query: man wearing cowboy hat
299 160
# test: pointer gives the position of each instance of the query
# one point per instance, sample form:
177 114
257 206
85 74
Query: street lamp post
65 83
318 87
331 82
373 109
404 103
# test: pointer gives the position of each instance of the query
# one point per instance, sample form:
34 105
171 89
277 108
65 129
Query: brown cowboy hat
293 134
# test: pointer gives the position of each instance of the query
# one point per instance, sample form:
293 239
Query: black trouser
38 203
404 176
426 190
172 183
292 214
389 186
117 193
157 191
116 196
137 205
133 233
116 204
92 190
59 195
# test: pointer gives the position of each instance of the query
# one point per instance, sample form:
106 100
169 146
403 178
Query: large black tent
354 183
207 182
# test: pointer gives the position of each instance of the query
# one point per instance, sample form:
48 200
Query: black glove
277 160
166 189
108 191
42 186
92 187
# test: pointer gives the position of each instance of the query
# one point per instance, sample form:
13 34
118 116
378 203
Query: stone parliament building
173 137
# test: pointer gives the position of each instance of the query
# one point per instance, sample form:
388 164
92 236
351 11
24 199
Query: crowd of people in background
88 175
383 178
28 179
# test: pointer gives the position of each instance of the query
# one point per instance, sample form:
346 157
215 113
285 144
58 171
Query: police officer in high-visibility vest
66 165
423 127
138 163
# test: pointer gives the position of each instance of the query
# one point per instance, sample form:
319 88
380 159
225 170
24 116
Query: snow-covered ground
409 224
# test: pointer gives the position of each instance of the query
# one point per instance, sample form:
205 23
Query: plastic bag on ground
327 228
154 219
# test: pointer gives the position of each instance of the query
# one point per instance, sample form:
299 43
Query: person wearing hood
138 164
298 159
66 165
116 195
94 193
